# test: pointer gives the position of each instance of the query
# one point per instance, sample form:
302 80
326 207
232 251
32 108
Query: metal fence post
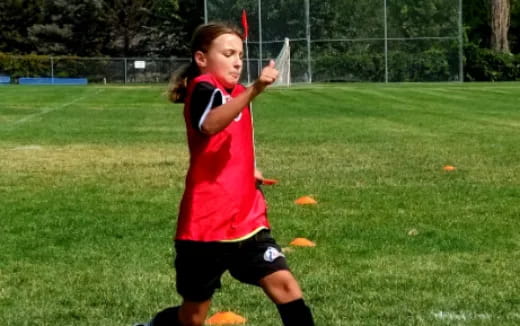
205 11
461 45
260 53
386 42
308 37
52 70
125 67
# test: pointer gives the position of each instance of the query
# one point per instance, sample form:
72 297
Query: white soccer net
283 64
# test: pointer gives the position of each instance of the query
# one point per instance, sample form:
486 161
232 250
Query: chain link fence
334 40
352 40
95 70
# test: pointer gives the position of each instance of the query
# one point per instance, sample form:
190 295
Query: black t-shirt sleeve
204 98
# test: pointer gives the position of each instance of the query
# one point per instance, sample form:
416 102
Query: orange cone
305 200
225 318
269 182
302 242
449 168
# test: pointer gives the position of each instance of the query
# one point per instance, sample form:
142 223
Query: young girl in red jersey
222 224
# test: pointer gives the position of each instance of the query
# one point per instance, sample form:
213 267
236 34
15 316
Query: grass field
91 177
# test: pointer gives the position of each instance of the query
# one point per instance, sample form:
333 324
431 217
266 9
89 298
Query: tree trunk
500 21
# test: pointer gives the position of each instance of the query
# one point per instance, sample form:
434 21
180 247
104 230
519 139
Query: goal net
283 65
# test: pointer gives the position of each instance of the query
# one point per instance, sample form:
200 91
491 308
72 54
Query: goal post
283 64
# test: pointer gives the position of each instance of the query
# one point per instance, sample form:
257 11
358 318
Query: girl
222 224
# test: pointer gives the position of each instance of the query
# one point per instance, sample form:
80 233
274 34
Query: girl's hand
267 77
258 175
260 180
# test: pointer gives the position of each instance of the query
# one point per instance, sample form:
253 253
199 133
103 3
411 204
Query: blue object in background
5 80
52 81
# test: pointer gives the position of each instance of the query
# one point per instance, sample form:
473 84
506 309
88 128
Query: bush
431 64
30 65
94 69
488 65
33 65
349 67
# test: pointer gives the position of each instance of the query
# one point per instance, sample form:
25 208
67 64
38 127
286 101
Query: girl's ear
200 59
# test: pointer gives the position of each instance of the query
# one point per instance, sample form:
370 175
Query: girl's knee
281 287
288 285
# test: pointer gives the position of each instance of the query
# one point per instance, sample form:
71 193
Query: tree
500 22
477 22
128 20
514 29
167 32
192 15
74 27
15 17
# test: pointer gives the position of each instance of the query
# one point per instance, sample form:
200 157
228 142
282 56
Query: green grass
91 177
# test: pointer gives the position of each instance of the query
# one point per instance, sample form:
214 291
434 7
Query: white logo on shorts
271 254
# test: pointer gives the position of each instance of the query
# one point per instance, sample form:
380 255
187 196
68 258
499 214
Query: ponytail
179 82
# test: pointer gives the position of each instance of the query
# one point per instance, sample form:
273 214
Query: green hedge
94 69
30 65
488 65
414 62
430 64
349 67
33 65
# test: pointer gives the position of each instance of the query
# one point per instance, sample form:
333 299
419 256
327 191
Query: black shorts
200 265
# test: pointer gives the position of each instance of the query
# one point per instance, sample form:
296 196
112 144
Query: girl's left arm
221 116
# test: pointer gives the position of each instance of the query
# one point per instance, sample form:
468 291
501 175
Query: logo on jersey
271 254
225 99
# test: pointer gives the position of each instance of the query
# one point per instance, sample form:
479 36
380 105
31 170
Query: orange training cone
269 182
225 318
302 242
305 200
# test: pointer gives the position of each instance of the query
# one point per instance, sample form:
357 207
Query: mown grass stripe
89 196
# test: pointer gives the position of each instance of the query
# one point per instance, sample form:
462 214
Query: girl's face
223 59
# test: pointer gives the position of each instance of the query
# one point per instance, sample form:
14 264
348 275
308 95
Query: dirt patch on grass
157 164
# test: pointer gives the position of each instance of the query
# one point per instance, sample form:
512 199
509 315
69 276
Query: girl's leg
198 268
190 313
283 289
193 313
260 261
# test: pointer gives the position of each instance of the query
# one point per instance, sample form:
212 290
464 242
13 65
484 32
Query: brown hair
201 41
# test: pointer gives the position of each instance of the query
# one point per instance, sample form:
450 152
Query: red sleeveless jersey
221 200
